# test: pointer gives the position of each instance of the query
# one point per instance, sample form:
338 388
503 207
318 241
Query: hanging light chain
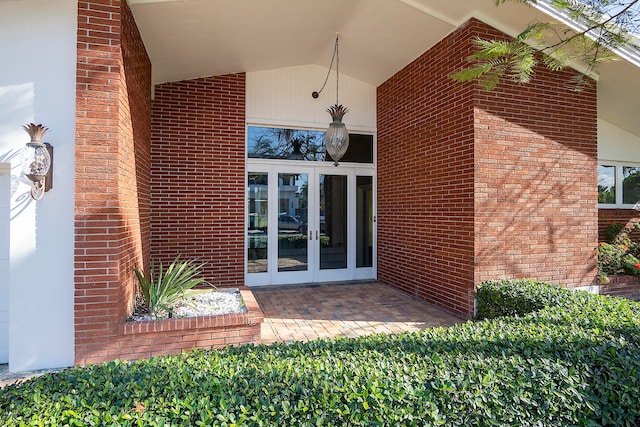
337 54
335 57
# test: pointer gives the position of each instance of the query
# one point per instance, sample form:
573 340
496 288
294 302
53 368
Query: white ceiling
195 38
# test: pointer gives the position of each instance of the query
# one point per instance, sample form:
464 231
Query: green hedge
573 365
517 297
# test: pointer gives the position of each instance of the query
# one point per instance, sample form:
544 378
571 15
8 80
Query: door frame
314 273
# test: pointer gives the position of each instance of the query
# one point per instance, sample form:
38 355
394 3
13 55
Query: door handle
310 235
316 234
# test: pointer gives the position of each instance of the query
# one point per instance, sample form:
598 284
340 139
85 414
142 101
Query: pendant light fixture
336 138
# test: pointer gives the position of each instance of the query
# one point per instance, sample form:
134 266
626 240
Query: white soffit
195 38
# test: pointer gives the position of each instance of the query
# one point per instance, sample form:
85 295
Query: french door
309 224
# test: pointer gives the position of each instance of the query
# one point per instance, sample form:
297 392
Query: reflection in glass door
325 224
293 251
257 227
333 221
364 221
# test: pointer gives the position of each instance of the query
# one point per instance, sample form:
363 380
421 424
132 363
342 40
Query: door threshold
314 284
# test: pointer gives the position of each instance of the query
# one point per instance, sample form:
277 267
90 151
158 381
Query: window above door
303 144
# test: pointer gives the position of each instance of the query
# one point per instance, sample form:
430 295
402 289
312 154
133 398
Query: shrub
610 258
161 290
612 232
577 364
631 265
620 253
518 297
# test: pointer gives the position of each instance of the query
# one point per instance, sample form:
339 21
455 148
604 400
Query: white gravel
220 301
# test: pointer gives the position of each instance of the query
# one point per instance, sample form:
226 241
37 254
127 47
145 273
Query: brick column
476 185
112 172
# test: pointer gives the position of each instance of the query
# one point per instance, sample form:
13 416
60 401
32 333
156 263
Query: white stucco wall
617 144
283 97
5 189
37 84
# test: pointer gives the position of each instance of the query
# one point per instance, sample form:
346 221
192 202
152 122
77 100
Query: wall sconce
37 161
336 139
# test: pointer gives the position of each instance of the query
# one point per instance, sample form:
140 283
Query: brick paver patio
307 312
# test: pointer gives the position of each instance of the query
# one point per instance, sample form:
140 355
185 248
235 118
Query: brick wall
135 158
425 178
622 286
493 184
198 168
623 217
536 179
197 214
143 339
111 172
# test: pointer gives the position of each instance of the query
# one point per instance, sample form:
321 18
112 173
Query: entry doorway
309 222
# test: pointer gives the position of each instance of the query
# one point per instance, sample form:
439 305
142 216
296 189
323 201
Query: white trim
314 274
626 52
431 12
618 183
274 166
593 289
304 125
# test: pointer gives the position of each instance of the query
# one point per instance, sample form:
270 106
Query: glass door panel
293 198
257 224
364 221
333 221
325 225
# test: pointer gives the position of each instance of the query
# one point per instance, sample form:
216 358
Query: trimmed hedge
517 297
574 365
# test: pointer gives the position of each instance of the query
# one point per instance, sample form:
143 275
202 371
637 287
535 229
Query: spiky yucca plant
161 290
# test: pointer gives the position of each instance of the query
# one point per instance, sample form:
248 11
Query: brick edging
622 286
252 316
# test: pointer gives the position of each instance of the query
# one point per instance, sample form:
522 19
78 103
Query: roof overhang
195 38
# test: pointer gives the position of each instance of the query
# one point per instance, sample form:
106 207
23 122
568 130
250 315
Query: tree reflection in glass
630 185
286 144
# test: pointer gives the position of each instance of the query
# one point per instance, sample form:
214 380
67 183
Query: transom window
303 144
618 185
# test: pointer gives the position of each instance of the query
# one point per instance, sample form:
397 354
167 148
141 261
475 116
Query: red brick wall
536 179
621 216
476 185
622 286
143 339
425 178
198 168
111 172
114 186
135 158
